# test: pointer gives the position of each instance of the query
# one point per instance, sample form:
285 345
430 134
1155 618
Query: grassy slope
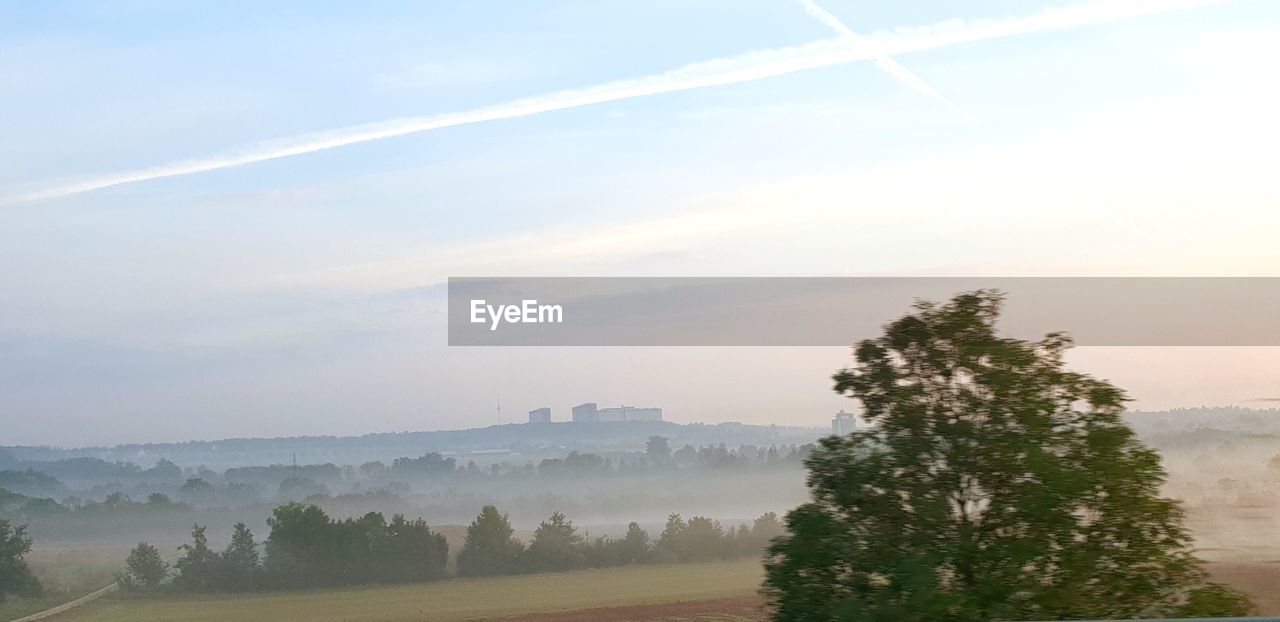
463 599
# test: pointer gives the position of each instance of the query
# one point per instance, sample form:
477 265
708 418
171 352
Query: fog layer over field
1224 463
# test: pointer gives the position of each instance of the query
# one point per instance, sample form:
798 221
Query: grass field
456 600
723 592
66 575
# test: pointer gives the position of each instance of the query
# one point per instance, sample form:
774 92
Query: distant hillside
481 444
531 441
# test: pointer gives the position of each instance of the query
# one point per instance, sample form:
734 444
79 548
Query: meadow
554 595
66 574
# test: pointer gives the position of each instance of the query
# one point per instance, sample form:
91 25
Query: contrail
882 60
745 67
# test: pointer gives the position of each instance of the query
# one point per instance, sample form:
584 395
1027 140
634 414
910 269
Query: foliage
634 547
556 546
15 575
144 569
658 450
308 549
1214 600
239 570
490 547
197 569
993 484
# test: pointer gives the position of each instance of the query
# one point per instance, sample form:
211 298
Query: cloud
745 67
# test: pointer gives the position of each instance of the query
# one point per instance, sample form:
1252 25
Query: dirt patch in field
1260 580
739 609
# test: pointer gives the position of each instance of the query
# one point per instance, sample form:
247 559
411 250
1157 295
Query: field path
68 606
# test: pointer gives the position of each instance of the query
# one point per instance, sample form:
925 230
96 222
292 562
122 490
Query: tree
197 569
671 541
301 547
556 546
490 547
16 578
417 553
658 450
239 568
754 540
635 545
992 484
144 568
1214 600
702 540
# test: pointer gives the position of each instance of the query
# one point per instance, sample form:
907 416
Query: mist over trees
995 484
306 548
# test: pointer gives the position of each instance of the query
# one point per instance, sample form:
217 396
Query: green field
66 575
459 599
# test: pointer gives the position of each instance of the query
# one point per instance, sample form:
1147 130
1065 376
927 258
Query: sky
234 219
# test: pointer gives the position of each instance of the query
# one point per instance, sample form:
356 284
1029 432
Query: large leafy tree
993 484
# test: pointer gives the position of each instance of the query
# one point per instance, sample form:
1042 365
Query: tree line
491 547
306 548
29 495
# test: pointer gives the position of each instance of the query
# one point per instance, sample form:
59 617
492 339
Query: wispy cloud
745 67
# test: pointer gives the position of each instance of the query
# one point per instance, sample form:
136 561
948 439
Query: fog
1222 463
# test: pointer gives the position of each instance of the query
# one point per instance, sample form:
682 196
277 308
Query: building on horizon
843 423
540 415
585 413
590 412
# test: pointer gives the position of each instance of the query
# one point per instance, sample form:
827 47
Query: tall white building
540 415
843 423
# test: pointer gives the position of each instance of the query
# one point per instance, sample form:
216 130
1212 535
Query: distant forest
488 444
604 473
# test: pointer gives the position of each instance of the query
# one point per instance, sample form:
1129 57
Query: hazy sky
180 258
